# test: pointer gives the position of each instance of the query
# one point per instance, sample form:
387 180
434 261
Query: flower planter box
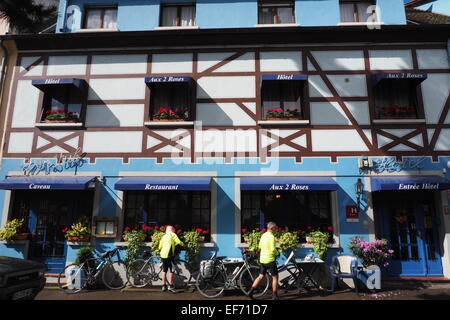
78 239
21 236
385 117
168 119
309 240
282 118
202 238
61 121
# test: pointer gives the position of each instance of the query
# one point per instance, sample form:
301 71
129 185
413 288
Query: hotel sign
419 186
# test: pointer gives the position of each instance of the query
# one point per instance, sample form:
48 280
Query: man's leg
275 287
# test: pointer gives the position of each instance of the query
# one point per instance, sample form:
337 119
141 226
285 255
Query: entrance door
409 223
47 213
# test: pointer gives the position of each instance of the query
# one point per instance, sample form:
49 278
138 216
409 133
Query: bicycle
75 277
241 278
143 272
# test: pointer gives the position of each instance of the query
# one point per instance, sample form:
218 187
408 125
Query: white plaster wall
172 63
225 141
119 64
112 141
66 65
349 85
245 63
28 61
390 59
170 135
281 61
223 114
318 88
115 115
208 60
116 89
433 59
443 142
20 142
226 87
340 59
435 91
330 113
26 105
337 140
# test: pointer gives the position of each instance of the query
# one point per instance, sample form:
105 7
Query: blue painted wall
136 15
438 6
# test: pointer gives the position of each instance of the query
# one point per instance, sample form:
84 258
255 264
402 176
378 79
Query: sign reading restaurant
160 187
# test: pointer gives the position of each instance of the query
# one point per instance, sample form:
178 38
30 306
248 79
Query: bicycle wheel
139 273
114 275
247 278
211 287
292 280
73 278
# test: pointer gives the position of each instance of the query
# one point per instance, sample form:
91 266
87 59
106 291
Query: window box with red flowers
280 114
166 114
60 116
80 231
397 112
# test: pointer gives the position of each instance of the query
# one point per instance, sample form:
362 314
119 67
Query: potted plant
12 230
157 235
319 241
252 238
165 114
191 240
372 254
288 241
279 114
84 254
60 116
136 240
80 231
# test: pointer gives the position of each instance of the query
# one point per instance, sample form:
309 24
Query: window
284 95
182 209
357 11
297 210
276 12
178 15
396 99
173 97
101 18
62 103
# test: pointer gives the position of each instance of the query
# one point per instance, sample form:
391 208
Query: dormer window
395 95
271 12
181 15
357 11
101 18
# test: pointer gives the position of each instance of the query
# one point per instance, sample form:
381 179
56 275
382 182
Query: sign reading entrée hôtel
419 186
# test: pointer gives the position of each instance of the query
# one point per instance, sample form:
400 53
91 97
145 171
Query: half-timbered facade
368 114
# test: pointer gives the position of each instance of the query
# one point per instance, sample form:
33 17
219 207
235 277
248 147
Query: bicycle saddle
220 258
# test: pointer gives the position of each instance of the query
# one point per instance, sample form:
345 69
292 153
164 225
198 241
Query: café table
309 267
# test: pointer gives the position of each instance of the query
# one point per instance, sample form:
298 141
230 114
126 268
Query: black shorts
269 267
167 264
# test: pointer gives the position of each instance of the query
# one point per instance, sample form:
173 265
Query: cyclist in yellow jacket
267 260
167 246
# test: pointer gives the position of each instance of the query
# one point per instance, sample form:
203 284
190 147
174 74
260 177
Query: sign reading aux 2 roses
166 79
288 187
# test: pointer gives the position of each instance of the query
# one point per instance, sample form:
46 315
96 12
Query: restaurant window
178 15
282 99
276 12
101 18
357 11
185 210
396 99
295 210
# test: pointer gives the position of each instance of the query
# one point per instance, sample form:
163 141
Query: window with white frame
101 17
357 11
272 12
181 15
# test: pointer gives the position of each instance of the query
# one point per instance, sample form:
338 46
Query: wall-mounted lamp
365 163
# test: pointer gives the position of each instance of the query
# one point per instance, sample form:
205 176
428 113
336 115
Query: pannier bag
207 268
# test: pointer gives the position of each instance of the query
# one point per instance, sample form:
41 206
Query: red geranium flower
205 231
179 231
280 110
330 228
156 228
199 230
244 230
127 229
309 227
264 230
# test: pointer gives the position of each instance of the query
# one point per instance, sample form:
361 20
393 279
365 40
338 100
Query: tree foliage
28 16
